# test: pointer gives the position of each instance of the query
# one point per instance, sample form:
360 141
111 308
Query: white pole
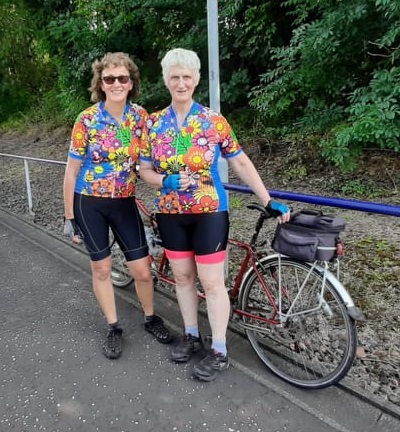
213 65
28 188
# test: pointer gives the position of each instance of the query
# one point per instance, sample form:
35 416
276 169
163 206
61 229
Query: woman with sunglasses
180 159
99 190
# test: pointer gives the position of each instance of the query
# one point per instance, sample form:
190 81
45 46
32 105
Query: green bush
373 120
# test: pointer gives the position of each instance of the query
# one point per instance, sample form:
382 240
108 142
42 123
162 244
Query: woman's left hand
280 210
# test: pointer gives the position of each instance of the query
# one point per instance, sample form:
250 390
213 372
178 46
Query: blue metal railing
350 204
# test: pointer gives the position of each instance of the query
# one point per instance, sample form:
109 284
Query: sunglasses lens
110 79
123 79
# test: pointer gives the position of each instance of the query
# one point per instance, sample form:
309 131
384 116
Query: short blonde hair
113 60
183 58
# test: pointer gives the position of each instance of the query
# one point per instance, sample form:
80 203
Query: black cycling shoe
208 368
112 347
186 347
157 327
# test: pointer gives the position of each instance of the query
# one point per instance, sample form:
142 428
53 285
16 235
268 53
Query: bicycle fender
344 295
352 309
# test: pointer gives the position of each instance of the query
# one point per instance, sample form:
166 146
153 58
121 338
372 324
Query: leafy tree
329 69
16 69
26 71
86 30
338 66
373 119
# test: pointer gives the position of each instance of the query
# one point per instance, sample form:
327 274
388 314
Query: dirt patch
370 269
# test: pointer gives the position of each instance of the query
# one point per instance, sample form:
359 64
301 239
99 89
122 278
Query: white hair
183 58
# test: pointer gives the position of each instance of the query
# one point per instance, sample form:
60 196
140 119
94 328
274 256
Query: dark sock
148 318
114 326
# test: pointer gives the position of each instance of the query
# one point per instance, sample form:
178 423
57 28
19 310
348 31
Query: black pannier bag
310 235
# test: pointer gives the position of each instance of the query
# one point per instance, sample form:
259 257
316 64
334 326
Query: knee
140 271
101 272
185 280
214 289
143 277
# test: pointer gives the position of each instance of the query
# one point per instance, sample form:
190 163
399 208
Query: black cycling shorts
95 216
204 233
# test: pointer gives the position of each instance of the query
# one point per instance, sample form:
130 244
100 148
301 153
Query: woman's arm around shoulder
149 175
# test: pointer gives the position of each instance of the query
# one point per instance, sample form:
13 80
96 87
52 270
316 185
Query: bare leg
104 292
218 307
185 277
140 271
103 288
212 279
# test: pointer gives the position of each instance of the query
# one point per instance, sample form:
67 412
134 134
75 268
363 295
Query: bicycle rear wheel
314 346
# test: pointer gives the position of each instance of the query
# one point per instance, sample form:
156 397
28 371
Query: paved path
54 377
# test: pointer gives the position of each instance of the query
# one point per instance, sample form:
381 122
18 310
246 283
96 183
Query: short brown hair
113 60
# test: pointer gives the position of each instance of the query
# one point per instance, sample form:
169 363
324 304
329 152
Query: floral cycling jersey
108 150
204 137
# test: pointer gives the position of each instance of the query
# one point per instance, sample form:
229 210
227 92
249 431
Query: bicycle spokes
312 340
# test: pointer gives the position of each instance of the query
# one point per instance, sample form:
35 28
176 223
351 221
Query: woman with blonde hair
180 159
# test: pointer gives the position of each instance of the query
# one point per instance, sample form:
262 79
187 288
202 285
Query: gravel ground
371 266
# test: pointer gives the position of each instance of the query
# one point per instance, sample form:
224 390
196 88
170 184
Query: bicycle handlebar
265 212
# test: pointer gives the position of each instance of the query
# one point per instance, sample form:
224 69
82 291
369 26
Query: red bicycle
297 316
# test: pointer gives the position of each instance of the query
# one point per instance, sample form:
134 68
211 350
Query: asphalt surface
55 378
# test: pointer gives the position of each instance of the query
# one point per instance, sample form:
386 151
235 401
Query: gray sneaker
208 368
185 348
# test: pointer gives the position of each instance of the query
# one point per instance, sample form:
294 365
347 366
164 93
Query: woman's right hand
177 182
172 181
71 231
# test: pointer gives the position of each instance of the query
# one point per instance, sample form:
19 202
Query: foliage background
325 71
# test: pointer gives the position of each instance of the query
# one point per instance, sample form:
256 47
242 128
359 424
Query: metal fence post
28 188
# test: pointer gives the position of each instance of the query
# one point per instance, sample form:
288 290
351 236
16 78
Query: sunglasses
122 79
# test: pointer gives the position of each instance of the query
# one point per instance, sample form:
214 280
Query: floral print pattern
204 137
108 150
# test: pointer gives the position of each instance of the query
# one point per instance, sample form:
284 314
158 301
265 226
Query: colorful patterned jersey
108 150
204 137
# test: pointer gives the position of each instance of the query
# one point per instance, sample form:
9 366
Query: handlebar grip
272 212
266 211
256 206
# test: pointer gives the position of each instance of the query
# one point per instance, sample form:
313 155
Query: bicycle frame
251 262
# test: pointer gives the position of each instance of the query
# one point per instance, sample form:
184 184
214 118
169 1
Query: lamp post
213 65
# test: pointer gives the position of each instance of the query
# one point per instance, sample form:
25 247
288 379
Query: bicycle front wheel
312 343
120 276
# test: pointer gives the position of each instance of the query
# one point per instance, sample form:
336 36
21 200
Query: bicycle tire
313 350
120 276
